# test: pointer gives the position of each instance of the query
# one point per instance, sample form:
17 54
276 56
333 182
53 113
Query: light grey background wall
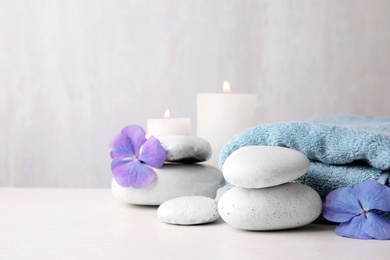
73 73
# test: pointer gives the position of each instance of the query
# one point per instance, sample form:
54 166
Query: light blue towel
343 150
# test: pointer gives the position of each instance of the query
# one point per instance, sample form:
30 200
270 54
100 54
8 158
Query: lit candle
169 126
220 116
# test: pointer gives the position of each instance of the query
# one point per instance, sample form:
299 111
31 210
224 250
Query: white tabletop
91 224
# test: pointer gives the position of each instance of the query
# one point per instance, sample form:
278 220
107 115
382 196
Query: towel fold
343 150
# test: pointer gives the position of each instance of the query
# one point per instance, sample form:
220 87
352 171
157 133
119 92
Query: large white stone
185 148
173 180
281 207
188 210
264 166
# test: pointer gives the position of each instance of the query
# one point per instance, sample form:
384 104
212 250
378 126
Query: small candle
221 116
168 125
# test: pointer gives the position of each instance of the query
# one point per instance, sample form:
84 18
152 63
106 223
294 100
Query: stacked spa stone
181 175
264 197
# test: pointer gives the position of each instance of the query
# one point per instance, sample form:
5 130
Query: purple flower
131 153
360 210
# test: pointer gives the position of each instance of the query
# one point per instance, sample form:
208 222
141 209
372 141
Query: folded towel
343 150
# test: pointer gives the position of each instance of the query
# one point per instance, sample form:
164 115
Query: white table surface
91 224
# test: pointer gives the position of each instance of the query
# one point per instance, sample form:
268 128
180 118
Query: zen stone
282 207
188 210
264 166
185 148
173 180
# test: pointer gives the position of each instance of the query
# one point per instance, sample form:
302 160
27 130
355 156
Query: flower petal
153 153
354 228
121 171
377 226
142 175
341 205
373 195
132 173
121 147
136 135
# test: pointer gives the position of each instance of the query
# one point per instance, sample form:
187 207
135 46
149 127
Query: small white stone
185 148
188 210
173 180
285 206
264 166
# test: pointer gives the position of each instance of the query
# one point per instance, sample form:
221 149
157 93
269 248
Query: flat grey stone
185 148
173 180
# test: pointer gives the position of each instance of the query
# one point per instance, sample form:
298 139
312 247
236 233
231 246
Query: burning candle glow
167 114
226 87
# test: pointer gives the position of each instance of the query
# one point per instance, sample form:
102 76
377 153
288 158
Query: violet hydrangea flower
132 153
362 211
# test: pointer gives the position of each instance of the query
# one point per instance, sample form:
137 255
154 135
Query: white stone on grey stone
185 148
188 210
173 180
281 207
264 166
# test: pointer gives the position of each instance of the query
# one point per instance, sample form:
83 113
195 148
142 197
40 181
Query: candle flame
226 87
167 114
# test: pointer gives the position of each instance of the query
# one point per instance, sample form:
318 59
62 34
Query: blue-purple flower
360 210
132 153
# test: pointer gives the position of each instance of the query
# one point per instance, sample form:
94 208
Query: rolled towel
343 150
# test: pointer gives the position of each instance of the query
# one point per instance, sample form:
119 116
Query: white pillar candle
221 116
168 126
